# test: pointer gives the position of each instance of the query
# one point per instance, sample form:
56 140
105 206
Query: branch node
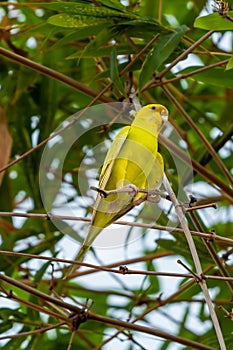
228 314
222 8
123 269
193 200
157 78
192 205
159 298
213 236
180 205
197 277
203 276
48 216
78 318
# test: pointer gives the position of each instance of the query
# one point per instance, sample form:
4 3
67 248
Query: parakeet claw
132 190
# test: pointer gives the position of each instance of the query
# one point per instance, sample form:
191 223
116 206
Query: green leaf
75 21
77 15
84 4
144 26
160 54
214 22
114 73
87 10
102 38
230 64
154 280
77 34
113 4
35 342
40 273
181 248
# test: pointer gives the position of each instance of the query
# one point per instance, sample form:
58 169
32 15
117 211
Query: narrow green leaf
114 73
160 54
102 38
40 273
36 342
113 4
230 64
77 34
74 21
214 22
73 6
181 248
145 25
217 77
154 280
87 10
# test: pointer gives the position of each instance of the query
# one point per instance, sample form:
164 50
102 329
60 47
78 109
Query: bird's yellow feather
133 158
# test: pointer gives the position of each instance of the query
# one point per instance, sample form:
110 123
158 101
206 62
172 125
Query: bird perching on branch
132 162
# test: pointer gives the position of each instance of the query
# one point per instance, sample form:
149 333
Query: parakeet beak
164 115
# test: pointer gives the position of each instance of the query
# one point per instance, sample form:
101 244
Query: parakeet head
158 109
152 117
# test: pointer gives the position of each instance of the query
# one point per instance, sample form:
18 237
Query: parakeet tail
92 234
80 256
82 252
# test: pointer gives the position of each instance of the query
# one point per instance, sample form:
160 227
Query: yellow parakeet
132 160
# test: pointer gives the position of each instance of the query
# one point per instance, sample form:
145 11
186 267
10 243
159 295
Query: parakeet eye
153 108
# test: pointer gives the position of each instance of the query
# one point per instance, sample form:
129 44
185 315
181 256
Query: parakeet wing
111 156
127 162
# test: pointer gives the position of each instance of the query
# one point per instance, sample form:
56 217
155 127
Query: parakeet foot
132 190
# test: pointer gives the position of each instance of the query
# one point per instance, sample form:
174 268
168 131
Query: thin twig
160 11
129 189
49 216
211 250
199 133
185 53
184 225
158 333
36 307
161 302
100 318
139 54
36 331
197 278
203 206
200 169
109 268
52 74
71 340
157 82
134 59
